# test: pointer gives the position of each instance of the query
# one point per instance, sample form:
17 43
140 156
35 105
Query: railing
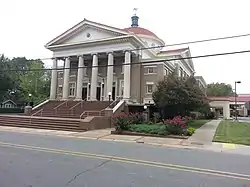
80 102
114 102
89 112
41 103
65 102
39 111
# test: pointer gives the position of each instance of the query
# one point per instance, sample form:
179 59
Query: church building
103 63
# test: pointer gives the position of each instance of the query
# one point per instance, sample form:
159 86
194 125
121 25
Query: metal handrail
77 104
91 111
37 112
61 104
118 99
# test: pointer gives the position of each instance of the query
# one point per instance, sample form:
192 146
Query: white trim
42 103
149 83
118 106
78 27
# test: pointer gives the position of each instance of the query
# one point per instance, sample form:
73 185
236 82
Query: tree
219 89
6 83
35 82
175 96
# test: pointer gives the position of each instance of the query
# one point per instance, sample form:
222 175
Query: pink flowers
176 121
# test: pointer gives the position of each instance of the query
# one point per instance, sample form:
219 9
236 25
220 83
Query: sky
27 25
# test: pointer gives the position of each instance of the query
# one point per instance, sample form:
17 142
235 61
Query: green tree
219 89
35 82
175 96
6 83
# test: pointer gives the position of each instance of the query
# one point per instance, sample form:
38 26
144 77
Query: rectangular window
149 88
60 89
72 89
60 75
150 70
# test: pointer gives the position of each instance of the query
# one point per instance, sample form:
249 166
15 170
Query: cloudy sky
27 25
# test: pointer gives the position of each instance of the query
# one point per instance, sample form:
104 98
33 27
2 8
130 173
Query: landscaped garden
181 105
233 132
135 124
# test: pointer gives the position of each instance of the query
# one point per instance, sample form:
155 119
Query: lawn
197 123
233 132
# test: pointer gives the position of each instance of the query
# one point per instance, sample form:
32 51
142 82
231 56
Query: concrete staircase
65 115
40 122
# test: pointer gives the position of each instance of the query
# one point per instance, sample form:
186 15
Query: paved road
28 160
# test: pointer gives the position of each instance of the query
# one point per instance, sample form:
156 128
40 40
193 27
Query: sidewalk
204 135
202 139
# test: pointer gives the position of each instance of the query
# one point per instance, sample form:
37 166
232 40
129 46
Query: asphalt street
28 160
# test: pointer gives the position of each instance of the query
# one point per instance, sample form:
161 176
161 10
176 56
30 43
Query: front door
84 93
113 93
98 93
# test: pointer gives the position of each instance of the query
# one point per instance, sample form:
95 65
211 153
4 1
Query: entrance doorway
84 93
113 93
98 93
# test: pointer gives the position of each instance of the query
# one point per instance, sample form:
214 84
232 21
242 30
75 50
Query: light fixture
30 95
145 107
109 93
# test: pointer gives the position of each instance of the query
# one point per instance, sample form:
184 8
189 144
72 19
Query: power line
196 41
133 63
183 43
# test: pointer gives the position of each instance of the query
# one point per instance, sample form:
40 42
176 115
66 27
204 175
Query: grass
233 132
197 123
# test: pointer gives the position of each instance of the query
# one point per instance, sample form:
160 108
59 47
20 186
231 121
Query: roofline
78 25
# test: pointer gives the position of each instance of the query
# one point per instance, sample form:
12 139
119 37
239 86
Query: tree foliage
175 96
6 83
18 84
219 89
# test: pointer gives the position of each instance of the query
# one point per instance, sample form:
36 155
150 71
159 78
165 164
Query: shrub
136 118
190 131
122 122
156 117
176 126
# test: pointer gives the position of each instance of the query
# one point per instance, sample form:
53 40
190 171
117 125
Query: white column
53 85
66 78
226 111
110 72
94 78
79 78
127 70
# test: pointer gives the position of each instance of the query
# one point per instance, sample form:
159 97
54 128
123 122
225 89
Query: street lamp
109 94
235 98
145 113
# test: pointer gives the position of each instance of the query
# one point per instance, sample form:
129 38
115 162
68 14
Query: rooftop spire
134 19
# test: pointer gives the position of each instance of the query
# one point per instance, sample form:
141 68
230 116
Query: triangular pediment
86 31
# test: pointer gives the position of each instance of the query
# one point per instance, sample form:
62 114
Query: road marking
228 146
132 161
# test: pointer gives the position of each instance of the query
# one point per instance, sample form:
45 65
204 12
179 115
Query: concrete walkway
204 135
202 139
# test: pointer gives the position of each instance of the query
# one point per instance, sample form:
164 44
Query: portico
94 76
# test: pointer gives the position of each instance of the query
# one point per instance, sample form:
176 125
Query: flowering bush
176 126
121 122
136 118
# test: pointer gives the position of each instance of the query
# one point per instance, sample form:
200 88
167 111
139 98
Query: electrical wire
133 63
182 43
